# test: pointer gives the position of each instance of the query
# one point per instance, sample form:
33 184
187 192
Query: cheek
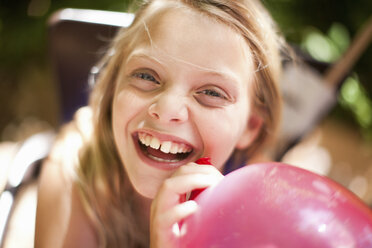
221 132
126 107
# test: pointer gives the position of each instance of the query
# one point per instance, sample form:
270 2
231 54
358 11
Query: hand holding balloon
167 211
196 192
277 205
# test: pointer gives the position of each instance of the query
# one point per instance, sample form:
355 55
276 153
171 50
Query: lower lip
157 164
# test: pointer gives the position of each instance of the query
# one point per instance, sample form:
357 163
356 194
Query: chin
149 193
146 187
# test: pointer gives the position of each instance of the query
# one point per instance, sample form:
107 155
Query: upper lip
166 137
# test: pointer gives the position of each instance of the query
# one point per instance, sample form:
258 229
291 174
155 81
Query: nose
169 108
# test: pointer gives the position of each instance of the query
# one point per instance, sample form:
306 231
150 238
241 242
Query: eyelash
145 76
212 93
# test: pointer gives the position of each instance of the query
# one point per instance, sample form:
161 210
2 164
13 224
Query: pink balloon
273 205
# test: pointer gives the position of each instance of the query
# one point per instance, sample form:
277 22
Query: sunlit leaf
320 47
340 36
354 97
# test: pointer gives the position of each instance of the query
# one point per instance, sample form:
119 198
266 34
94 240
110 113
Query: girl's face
182 96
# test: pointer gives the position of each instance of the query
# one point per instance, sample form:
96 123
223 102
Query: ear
251 132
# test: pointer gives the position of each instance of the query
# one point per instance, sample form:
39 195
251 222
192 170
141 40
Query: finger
171 189
164 228
184 183
174 215
191 168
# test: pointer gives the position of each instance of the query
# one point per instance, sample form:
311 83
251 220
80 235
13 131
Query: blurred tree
335 22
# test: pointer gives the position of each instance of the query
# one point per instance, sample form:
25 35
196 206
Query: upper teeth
165 146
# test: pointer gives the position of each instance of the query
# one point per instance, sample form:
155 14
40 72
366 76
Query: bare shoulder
60 218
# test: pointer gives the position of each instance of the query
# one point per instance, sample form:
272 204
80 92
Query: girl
188 79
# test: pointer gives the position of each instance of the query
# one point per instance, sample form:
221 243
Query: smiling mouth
163 151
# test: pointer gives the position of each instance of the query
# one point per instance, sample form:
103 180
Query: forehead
190 37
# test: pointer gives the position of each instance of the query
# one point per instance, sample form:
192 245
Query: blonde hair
105 189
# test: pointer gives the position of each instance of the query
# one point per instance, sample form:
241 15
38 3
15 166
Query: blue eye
212 97
145 80
145 76
212 93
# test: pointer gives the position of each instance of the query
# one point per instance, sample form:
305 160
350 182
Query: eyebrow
208 71
142 55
